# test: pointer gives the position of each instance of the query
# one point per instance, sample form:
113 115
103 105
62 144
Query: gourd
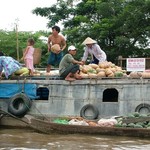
118 74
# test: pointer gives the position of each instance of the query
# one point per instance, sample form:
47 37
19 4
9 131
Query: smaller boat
48 126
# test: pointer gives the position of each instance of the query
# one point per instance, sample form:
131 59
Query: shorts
54 59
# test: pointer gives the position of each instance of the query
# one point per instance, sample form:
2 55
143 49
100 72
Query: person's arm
49 43
25 52
85 55
63 44
77 62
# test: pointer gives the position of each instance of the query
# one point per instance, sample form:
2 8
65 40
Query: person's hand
58 51
81 63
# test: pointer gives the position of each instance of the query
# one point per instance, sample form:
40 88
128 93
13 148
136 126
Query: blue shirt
9 65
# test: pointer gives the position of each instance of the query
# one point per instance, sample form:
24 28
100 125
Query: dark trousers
71 69
95 60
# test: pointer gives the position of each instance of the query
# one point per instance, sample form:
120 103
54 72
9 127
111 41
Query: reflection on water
23 139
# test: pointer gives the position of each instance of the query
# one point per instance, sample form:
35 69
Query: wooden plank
135 120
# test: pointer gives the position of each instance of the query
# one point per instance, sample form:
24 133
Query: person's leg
69 77
71 73
59 57
51 59
48 69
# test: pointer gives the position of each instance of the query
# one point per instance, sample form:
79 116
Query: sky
19 12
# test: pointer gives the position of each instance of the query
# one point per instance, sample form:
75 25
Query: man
92 48
69 67
55 38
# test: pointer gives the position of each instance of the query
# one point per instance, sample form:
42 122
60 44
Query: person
69 67
92 48
10 66
28 56
55 38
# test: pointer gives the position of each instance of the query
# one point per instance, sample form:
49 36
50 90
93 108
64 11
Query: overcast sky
13 10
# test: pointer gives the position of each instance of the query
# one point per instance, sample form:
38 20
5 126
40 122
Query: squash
84 75
101 74
118 74
94 66
145 75
92 75
135 74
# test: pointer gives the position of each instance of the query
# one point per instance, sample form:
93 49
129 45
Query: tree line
121 27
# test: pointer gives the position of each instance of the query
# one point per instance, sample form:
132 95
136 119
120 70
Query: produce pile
134 120
138 74
104 69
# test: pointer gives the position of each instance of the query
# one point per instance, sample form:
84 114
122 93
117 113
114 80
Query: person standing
55 38
92 48
28 56
69 67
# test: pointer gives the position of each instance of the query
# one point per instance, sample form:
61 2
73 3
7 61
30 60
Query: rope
11 115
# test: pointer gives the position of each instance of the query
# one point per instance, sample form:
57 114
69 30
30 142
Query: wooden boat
49 127
45 125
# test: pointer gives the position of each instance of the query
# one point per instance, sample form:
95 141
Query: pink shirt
30 52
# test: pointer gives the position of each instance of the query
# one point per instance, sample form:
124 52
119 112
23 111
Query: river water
24 139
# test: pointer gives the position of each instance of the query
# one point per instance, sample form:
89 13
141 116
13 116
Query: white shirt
96 51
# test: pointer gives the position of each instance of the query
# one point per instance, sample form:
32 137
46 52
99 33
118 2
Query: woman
10 66
92 48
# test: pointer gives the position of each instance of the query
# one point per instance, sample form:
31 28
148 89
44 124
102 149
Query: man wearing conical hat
93 49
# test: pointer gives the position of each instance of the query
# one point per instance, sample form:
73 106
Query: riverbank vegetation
121 27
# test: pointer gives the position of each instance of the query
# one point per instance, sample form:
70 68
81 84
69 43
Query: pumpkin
101 74
84 75
135 74
108 72
92 75
94 66
145 75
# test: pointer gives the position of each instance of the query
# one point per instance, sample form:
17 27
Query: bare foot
78 77
70 79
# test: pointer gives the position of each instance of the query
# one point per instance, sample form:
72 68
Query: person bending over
93 49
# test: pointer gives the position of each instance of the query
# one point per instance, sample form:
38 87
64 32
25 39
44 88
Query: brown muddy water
24 139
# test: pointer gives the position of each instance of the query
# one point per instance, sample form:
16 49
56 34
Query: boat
46 125
89 98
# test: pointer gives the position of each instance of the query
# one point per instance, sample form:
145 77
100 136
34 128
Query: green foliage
8 43
117 25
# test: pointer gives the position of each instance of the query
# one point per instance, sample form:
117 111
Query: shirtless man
55 38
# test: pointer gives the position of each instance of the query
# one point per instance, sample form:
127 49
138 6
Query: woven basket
36 56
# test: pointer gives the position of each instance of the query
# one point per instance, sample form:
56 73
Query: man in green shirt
69 67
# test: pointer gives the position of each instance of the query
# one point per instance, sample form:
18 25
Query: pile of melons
103 69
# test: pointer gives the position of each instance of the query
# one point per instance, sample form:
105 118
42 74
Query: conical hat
88 40
55 48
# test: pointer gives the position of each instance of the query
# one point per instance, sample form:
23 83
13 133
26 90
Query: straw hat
55 48
89 40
